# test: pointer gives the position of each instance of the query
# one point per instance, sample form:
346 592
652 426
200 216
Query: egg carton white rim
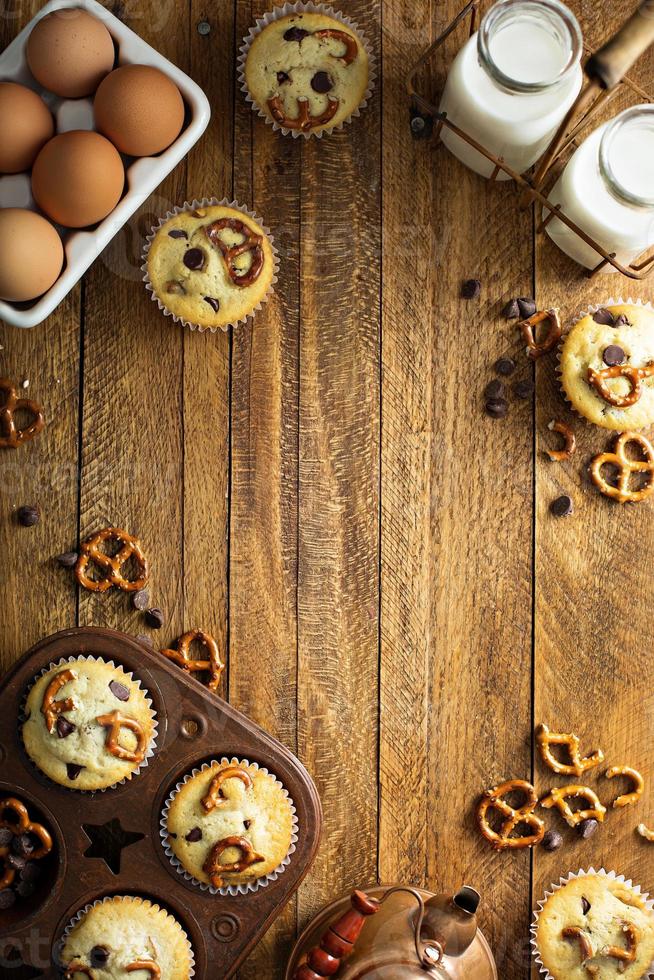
564 880
77 918
305 8
22 718
144 174
244 887
208 202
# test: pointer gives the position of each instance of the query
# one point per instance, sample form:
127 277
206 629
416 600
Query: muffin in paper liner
564 880
187 208
77 918
240 888
22 718
289 9
589 311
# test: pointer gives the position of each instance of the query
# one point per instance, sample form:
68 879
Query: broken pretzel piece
645 832
578 765
638 785
569 441
559 796
536 348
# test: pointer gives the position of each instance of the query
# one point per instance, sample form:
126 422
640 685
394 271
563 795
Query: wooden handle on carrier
325 960
612 62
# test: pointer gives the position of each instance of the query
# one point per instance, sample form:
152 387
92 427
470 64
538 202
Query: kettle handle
338 941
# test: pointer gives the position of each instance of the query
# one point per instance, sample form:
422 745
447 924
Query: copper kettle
395 932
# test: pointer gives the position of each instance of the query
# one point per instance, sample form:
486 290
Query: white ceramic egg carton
142 175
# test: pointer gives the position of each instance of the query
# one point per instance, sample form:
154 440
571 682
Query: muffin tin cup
563 880
305 8
593 308
192 206
110 663
242 888
77 918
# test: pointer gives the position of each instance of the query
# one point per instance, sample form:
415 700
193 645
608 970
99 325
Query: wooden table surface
323 491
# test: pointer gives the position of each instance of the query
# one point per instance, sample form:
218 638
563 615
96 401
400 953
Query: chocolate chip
511 311
497 408
64 727
73 770
587 828
194 258
98 956
16 862
177 233
22 845
585 905
7 898
247 824
321 82
552 840
524 388
471 288
68 559
119 690
154 618
622 321
295 34
28 516
283 77
194 835
494 389
505 366
141 599
613 355
604 316
25 889
562 506
526 307
213 303
6 836
31 872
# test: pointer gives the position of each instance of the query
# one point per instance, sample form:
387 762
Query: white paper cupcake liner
305 8
563 880
22 717
241 888
61 942
208 202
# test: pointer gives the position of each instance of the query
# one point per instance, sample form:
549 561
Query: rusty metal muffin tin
194 726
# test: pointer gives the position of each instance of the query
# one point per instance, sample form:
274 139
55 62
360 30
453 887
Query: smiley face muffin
210 266
124 936
594 925
88 724
607 367
307 72
230 823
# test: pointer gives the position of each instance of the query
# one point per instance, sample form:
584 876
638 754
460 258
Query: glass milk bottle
607 189
512 83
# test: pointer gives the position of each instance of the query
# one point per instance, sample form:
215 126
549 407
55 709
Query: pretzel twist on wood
537 349
634 375
215 870
577 765
625 467
638 785
252 242
214 666
114 722
559 796
50 708
214 797
569 441
91 553
10 435
493 799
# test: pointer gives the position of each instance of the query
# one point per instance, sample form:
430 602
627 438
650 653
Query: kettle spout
467 899
451 920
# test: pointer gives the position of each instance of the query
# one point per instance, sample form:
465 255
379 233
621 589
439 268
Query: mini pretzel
252 243
304 121
559 796
574 932
625 467
550 340
148 965
645 832
569 441
639 785
633 375
51 709
114 722
91 552
215 870
351 46
627 955
182 657
74 968
577 765
214 797
493 799
24 825
10 435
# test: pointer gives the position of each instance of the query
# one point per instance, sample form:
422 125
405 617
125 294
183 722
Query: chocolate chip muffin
230 823
607 367
125 935
307 72
595 925
210 266
88 724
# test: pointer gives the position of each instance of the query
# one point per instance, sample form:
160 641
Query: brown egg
140 109
31 255
78 178
26 124
69 52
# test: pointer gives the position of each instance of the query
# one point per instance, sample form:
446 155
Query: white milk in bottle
512 83
607 189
